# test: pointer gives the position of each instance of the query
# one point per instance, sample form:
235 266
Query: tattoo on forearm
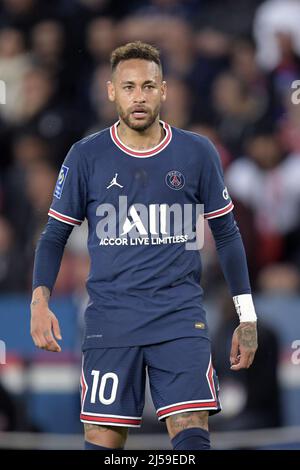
247 335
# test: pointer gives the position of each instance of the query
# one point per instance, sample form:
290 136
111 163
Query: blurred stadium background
230 67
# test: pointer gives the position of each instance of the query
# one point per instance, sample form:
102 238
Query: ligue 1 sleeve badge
175 180
61 181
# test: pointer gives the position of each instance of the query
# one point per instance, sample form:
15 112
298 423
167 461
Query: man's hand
244 346
44 324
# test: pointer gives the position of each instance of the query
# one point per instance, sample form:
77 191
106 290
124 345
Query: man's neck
141 140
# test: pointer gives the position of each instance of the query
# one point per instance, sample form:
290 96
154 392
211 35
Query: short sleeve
69 197
213 193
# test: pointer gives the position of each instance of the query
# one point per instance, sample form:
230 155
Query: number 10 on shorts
103 383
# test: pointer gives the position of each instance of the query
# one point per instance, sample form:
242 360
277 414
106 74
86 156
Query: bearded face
138 91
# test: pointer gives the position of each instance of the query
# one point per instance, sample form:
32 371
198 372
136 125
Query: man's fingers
45 341
245 361
51 344
56 328
36 340
241 365
234 350
53 347
39 339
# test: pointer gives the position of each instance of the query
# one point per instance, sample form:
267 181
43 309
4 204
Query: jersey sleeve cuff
219 212
64 218
245 308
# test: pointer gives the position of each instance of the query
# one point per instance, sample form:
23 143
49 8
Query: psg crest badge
175 180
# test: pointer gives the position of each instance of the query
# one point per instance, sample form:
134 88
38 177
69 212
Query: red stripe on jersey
219 212
110 419
83 388
187 406
64 218
211 381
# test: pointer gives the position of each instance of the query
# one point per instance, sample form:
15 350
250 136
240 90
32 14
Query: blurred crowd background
229 67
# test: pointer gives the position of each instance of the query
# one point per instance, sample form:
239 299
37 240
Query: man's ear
110 91
164 91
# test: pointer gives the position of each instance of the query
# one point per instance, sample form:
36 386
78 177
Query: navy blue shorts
181 378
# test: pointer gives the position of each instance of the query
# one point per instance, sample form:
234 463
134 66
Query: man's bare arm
44 324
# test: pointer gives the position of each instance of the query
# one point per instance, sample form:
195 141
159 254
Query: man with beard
135 183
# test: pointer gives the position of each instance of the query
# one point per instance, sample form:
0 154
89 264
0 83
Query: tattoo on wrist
45 295
247 335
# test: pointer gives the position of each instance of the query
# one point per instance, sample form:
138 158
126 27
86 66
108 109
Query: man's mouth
139 113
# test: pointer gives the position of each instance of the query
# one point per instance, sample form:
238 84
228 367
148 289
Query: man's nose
139 96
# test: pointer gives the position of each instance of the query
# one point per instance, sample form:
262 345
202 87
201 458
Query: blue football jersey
144 281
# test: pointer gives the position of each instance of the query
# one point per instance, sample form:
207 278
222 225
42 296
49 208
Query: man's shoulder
199 147
191 137
93 141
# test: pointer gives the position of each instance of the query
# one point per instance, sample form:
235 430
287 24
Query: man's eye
127 87
149 86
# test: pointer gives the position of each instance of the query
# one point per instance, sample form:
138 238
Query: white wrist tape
244 307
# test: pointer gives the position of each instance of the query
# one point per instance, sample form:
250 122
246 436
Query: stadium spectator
12 276
289 127
14 64
283 279
271 18
237 110
177 108
267 185
27 149
102 112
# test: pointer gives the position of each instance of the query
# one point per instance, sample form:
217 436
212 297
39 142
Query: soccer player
136 183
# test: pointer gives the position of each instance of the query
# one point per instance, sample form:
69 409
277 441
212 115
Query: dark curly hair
135 50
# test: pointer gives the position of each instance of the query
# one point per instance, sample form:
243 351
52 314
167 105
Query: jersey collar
142 153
